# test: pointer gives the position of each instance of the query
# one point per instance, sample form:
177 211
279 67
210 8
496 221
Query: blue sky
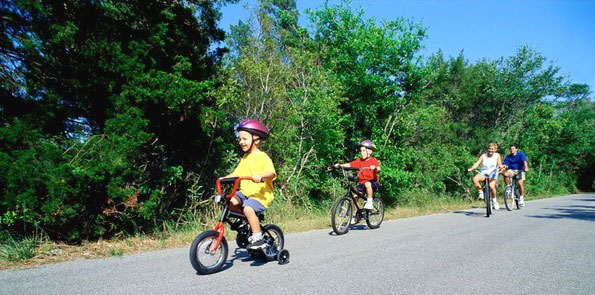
562 31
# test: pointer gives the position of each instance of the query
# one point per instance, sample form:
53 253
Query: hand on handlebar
257 178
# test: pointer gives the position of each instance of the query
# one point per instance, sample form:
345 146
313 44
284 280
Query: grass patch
292 218
14 250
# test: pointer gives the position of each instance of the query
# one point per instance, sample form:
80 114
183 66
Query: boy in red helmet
254 196
367 178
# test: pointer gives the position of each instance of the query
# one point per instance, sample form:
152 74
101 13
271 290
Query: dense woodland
117 116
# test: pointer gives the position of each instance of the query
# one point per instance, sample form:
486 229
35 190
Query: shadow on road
579 212
471 214
351 227
244 256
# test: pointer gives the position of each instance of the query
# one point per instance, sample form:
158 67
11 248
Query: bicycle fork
220 228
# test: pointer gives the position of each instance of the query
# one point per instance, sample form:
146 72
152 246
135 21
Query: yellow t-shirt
256 162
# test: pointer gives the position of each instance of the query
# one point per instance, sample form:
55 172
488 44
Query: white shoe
369 205
521 202
353 220
495 204
480 196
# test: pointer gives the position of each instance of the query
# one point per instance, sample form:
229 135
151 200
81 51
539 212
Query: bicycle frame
351 190
220 227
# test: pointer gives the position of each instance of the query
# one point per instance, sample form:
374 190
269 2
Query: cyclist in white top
489 162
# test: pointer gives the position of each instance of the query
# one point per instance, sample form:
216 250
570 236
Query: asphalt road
547 247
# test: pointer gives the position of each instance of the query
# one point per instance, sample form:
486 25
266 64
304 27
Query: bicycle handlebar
230 180
347 168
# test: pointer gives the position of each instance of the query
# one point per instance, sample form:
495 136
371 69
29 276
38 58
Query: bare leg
492 184
476 180
236 204
369 190
252 219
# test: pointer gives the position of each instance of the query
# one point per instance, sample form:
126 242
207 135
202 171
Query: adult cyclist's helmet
368 144
254 127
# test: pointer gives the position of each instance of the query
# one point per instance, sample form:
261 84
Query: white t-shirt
488 164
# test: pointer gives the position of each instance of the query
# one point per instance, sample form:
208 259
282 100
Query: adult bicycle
511 193
487 192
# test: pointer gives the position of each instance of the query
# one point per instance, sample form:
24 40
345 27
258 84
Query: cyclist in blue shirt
517 166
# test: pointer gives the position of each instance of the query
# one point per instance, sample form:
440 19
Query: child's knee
368 185
249 210
235 201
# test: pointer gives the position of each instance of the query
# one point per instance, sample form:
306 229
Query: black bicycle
511 194
487 192
343 209
209 249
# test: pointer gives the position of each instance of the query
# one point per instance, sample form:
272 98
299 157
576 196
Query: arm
526 166
375 167
500 166
346 165
263 176
477 163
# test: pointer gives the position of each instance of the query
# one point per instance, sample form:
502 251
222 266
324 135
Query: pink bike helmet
254 127
368 144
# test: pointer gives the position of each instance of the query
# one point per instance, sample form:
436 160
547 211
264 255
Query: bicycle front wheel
509 199
202 257
488 199
341 215
375 216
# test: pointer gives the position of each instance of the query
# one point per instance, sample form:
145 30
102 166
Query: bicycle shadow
470 213
243 256
351 227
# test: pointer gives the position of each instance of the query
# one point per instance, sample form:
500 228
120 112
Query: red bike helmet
368 144
255 127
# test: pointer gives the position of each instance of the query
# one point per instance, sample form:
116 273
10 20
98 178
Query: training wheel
283 256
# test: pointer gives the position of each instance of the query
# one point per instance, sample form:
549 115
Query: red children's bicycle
209 250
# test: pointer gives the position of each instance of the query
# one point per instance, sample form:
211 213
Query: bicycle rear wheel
375 216
273 236
341 215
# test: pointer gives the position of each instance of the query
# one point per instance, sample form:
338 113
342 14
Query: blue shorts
252 203
362 187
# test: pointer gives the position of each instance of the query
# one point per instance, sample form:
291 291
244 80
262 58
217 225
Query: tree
114 95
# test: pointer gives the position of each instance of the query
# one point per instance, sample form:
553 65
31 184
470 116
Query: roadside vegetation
112 135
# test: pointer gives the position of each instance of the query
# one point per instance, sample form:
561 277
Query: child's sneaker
258 244
480 196
521 201
256 241
495 204
369 205
353 220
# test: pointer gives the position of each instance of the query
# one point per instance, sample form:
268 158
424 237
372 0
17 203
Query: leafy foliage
116 116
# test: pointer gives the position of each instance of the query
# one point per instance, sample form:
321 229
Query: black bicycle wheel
375 216
341 215
508 198
516 197
273 236
488 201
202 258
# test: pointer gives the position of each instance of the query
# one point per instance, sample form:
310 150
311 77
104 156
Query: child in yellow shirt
254 196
